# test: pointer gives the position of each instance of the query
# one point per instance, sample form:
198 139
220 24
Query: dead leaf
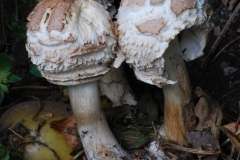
204 140
203 114
208 112
68 129
232 127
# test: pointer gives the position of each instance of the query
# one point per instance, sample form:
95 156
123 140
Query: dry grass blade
208 57
167 145
236 39
231 136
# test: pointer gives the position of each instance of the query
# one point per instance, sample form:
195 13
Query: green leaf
3 77
4 87
19 30
4 153
5 63
13 78
34 71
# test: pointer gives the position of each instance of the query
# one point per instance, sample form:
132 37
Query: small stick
220 37
155 131
8 106
190 150
228 94
236 39
15 133
78 154
40 108
33 87
236 126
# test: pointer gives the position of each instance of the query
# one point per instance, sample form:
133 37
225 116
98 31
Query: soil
225 89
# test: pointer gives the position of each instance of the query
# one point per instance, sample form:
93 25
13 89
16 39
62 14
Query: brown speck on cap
88 48
136 2
59 9
36 15
178 6
71 38
31 48
59 15
53 59
155 1
151 26
115 28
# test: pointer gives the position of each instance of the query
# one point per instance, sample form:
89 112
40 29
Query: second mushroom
155 36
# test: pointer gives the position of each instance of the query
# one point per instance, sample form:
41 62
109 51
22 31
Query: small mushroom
72 43
155 36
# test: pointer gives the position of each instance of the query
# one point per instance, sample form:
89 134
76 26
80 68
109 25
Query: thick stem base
96 136
177 96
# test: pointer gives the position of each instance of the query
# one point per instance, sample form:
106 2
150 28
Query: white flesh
96 136
177 95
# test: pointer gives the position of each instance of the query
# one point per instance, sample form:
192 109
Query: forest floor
224 87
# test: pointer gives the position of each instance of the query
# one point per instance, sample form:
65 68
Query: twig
155 131
236 82
3 31
190 150
33 87
232 152
236 126
40 108
225 142
236 39
78 154
8 106
15 133
228 94
220 36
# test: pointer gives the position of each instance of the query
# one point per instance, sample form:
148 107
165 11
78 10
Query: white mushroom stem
96 136
176 96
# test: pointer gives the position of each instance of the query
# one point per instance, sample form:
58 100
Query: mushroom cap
146 28
70 41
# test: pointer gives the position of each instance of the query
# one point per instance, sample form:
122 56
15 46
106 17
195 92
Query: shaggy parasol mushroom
148 37
72 43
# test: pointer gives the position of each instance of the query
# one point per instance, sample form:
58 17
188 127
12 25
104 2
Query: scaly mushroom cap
147 26
70 41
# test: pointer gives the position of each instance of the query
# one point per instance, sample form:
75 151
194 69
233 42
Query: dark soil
225 89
